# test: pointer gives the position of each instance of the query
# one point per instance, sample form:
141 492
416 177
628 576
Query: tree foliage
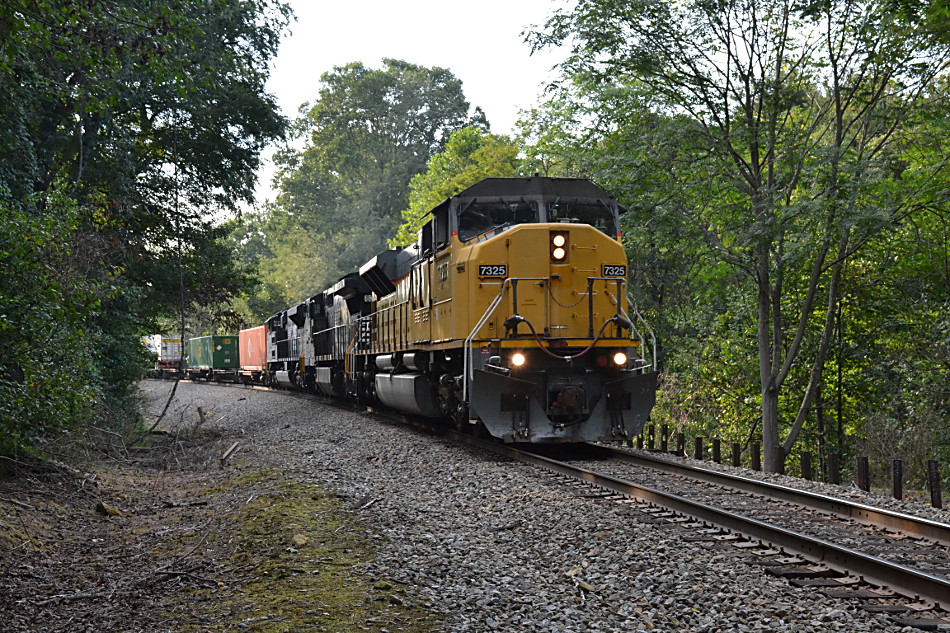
124 128
44 353
365 136
771 133
469 156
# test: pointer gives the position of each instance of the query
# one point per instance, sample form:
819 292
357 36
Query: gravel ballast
493 545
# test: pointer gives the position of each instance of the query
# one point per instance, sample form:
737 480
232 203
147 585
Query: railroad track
903 524
914 597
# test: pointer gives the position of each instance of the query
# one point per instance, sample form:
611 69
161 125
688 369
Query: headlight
620 359
517 359
559 247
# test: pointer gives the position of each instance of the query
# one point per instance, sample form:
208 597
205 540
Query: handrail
330 329
466 363
293 344
379 313
349 358
654 360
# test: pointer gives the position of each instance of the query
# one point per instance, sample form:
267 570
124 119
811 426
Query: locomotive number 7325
492 270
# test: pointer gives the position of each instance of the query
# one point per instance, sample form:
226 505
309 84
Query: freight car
166 353
510 314
252 348
212 358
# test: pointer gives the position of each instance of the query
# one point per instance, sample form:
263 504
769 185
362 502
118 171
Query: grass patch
295 552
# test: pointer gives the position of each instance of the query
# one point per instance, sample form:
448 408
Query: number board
492 270
611 270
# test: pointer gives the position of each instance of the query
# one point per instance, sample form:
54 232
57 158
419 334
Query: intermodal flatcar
212 357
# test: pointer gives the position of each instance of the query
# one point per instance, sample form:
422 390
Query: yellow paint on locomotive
556 300
443 298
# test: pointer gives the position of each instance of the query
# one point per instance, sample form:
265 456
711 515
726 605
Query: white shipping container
170 349
165 350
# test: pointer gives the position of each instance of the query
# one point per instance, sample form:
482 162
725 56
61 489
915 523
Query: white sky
480 42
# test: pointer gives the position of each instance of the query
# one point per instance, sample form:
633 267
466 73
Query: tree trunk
773 460
767 363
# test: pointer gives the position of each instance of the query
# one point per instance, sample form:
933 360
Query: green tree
148 118
45 358
469 156
893 342
367 134
791 116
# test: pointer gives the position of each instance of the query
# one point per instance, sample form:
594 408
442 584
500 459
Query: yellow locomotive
510 313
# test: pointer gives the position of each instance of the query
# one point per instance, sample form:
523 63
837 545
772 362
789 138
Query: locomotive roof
536 186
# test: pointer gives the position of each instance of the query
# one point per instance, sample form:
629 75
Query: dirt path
170 538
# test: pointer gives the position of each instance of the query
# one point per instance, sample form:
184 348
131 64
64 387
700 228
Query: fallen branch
367 504
18 503
228 454
171 573
69 598
161 416
173 504
192 550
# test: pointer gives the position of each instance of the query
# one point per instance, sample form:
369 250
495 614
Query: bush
47 359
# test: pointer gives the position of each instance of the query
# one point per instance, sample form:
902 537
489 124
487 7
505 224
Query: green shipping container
213 352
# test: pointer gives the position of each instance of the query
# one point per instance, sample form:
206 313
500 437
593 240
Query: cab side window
440 227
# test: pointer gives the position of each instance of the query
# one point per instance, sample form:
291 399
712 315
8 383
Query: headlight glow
517 359
558 245
620 359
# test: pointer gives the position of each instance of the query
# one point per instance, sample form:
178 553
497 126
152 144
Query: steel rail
909 582
867 515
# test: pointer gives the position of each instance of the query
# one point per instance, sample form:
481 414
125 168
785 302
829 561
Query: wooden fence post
664 434
863 474
806 466
756 456
736 454
717 450
834 469
933 476
897 479
698 448
779 458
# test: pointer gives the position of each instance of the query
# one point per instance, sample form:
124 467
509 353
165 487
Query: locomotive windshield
599 215
477 218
